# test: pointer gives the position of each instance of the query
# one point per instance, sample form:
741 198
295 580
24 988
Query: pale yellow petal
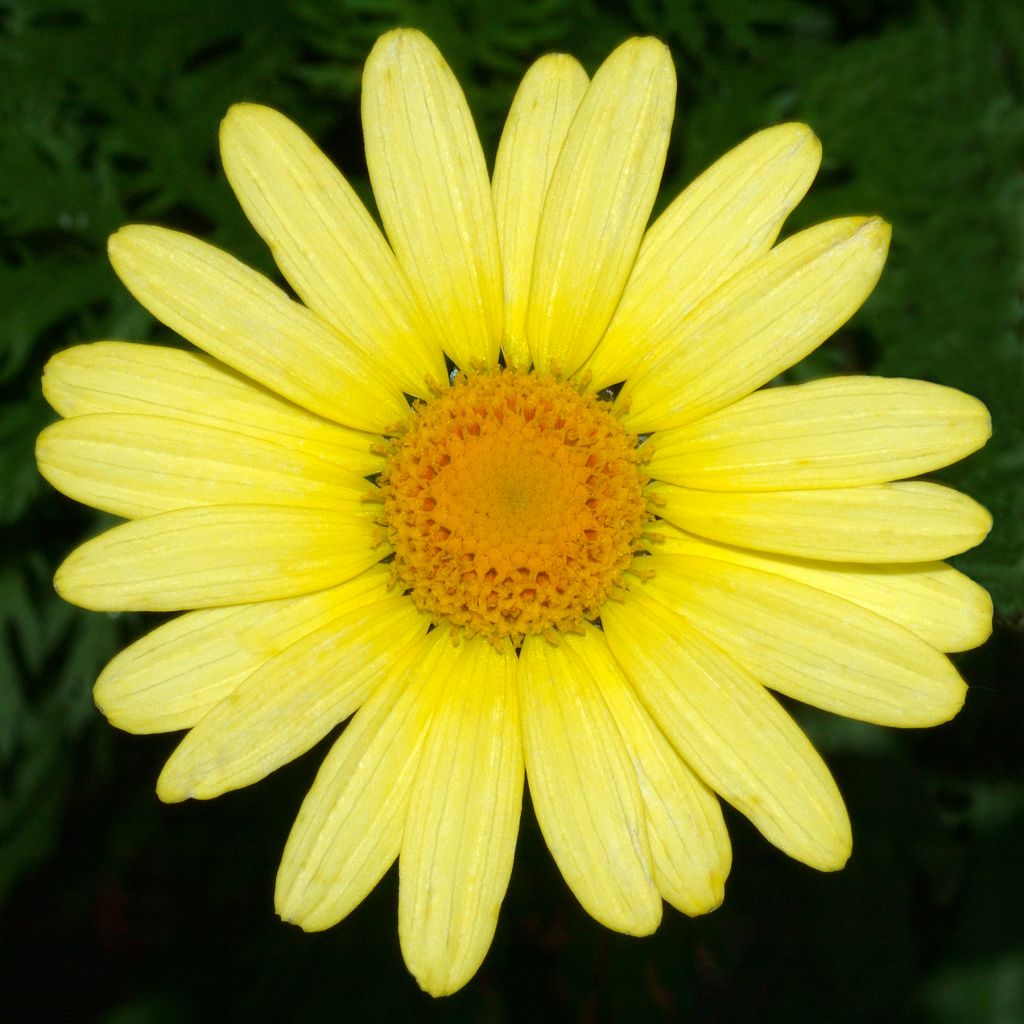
326 243
175 674
137 465
584 789
810 645
840 432
349 829
239 317
123 377
760 322
943 607
598 203
689 842
728 217
537 123
291 701
460 834
730 731
901 522
430 182
206 557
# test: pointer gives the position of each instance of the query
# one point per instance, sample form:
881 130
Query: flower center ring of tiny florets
514 504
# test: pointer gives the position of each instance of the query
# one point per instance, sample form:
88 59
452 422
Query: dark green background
121 910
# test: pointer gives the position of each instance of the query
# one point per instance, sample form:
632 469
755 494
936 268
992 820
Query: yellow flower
527 569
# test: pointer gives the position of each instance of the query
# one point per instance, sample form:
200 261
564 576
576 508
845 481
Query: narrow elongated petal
728 217
291 701
239 317
460 835
326 243
349 829
840 432
809 645
901 522
537 124
585 790
181 670
730 731
689 843
763 320
598 203
137 465
123 377
205 557
943 607
431 186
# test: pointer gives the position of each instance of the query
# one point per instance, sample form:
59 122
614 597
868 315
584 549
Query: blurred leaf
982 993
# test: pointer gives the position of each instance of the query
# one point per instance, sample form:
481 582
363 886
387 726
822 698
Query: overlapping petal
349 829
933 600
138 465
690 847
122 377
239 317
584 789
326 243
727 218
810 645
598 202
291 701
771 314
460 834
430 182
174 675
534 133
730 731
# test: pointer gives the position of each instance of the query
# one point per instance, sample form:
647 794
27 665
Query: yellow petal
430 182
689 843
237 316
810 645
326 243
205 557
117 376
901 522
940 605
175 674
730 731
598 203
349 829
840 432
729 216
537 123
291 701
585 790
460 834
136 465
763 320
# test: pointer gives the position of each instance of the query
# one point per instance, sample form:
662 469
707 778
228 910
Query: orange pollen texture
514 505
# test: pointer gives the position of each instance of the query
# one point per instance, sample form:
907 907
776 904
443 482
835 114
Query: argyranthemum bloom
590 550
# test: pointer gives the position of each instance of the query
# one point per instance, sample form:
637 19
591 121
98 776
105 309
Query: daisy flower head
505 485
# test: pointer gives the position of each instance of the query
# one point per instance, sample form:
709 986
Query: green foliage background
146 914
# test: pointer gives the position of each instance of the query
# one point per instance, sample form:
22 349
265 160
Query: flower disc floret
514 504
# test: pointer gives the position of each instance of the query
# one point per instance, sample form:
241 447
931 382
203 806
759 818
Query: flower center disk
514 505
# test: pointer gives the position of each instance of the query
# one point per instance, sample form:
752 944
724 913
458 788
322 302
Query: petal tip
878 232
239 118
804 137
170 789
398 43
